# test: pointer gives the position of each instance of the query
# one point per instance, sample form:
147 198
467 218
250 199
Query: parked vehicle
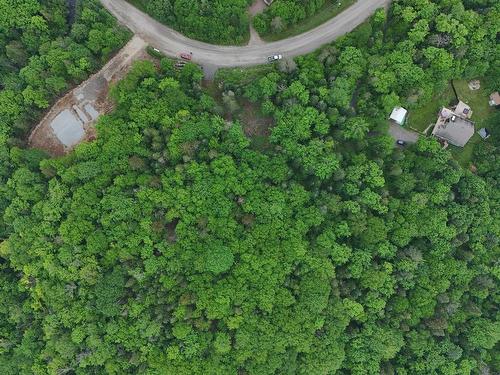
268 2
187 56
401 142
274 58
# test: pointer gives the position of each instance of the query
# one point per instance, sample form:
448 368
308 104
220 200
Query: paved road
172 43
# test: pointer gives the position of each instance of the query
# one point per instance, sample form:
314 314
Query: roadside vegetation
242 76
286 18
172 245
217 22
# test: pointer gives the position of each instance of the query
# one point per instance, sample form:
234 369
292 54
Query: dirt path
71 120
257 7
255 39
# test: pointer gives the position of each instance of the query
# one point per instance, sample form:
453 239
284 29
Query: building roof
453 128
463 110
495 98
398 115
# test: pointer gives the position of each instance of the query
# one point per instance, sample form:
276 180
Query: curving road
172 43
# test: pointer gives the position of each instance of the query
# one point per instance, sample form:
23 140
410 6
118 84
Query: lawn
464 155
477 100
419 119
328 11
481 111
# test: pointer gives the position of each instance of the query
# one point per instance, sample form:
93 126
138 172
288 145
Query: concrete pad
89 108
68 128
81 114
91 89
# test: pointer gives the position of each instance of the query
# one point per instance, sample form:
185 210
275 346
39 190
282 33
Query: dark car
401 142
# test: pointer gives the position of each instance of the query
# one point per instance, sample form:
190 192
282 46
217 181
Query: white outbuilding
398 115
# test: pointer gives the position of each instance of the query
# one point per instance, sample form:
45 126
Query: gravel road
172 43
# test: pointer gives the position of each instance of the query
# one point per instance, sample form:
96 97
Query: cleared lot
71 120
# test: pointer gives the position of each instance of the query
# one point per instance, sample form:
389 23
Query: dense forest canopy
283 14
214 21
41 55
227 21
172 245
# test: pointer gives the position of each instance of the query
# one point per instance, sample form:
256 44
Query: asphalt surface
398 132
173 43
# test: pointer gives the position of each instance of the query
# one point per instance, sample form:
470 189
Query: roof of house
398 114
495 98
452 128
463 110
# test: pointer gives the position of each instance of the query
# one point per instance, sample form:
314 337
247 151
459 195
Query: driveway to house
398 132
173 43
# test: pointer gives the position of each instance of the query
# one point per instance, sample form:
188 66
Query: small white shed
398 115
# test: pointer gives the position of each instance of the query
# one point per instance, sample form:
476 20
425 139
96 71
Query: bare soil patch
71 120
257 7
254 123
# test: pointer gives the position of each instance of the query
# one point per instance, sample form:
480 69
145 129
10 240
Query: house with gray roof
454 128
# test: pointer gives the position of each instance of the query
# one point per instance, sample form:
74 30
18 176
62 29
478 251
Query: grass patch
464 155
327 11
481 112
420 118
477 100
242 76
156 54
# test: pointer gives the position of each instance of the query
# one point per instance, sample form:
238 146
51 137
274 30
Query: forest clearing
71 120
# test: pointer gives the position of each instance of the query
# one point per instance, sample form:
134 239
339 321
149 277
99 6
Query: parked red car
187 56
